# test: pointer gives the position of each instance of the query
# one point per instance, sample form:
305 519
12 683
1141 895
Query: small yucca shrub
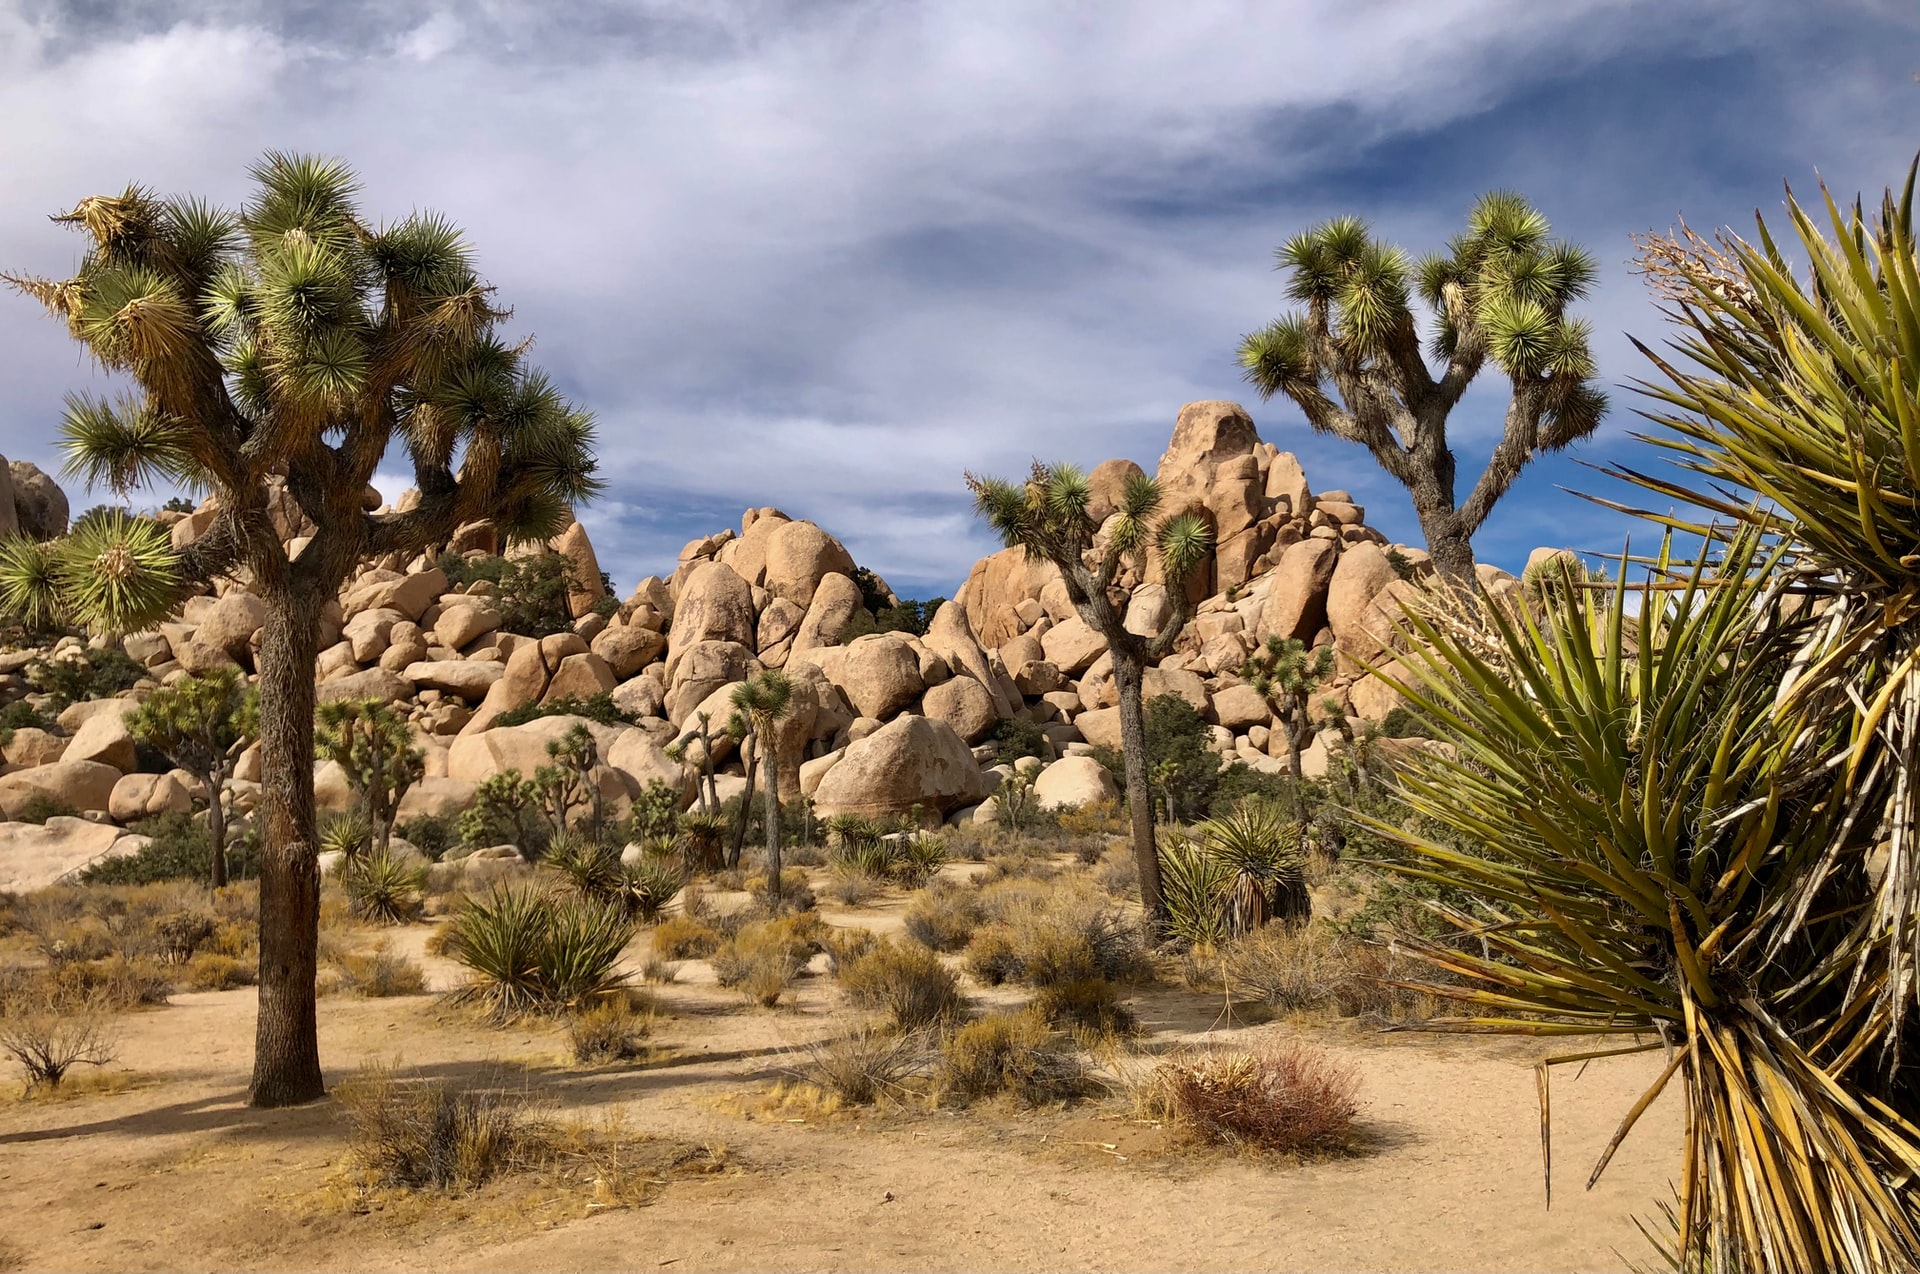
530 951
384 887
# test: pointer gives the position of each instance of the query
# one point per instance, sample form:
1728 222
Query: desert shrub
1091 1005
684 938
764 957
506 810
1017 1053
1403 723
179 848
907 981
214 971
348 834
844 946
431 834
430 1133
944 915
92 674
1234 873
598 707
22 715
179 934
532 952
609 1031
115 983
385 888
373 974
1284 1097
1118 872
49 1031
41 806
1306 968
852 888
1046 934
796 893
866 1065
1014 738
529 592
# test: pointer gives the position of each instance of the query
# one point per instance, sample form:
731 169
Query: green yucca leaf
125 444
30 582
118 573
1278 357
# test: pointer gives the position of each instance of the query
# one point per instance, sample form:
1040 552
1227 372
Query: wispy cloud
827 256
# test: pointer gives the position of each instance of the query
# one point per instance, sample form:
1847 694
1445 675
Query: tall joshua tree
763 700
1499 293
202 725
293 340
1047 516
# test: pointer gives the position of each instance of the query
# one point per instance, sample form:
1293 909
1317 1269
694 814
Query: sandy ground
176 1173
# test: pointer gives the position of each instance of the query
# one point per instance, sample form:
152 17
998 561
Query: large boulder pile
883 724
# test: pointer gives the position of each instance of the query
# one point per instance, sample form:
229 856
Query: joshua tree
202 725
370 741
1047 516
293 341
1286 673
763 700
1499 292
568 780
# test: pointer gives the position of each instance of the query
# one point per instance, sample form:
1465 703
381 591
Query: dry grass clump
49 1031
945 915
907 981
1089 1005
1046 934
115 983
1300 969
613 1030
844 946
684 938
1287 1098
213 971
851 887
1016 1053
373 974
1118 872
867 1065
796 893
765 956
430 1133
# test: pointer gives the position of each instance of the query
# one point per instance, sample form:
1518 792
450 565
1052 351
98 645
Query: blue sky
828 256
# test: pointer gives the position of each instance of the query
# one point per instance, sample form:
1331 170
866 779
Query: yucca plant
499 939
279 355
1193 884
349 835
1646 818
591 869
646 887
534 952
384 887
1233 873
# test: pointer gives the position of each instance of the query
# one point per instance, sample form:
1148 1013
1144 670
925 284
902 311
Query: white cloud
828 256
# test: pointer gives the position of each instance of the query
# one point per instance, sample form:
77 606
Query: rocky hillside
881 723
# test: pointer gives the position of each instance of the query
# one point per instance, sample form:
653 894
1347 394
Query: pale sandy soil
178 1174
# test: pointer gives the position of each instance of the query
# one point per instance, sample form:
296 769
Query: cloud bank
828 256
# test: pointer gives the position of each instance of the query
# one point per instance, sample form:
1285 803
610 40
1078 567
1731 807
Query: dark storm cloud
828 256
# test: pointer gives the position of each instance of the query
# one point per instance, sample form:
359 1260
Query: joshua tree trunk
1448 543
286 1055
773 818
1127 675
746 809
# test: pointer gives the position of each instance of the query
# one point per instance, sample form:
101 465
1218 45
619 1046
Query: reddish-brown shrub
1282 1097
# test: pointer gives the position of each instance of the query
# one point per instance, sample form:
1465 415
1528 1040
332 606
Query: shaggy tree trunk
746 810
773 816
1133 747
1296 729
1449 545
286 1051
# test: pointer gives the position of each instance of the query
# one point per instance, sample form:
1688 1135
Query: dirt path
179 1174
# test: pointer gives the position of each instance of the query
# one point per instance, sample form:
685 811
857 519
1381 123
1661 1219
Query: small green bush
181 848
95 674
1014 738
41 806
431 834
530 592
599 707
